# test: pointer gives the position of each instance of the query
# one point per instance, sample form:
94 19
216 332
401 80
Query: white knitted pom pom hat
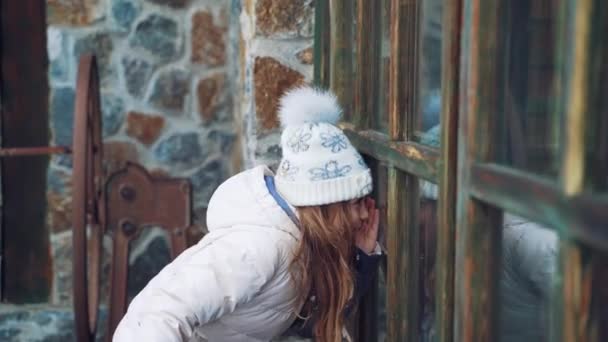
319 165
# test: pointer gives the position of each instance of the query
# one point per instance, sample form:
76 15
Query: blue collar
280 201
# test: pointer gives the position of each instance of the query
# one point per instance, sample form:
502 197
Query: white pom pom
308 104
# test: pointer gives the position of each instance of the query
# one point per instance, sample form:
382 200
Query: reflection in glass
427 218
528 131
529 263
382 326
381 117
430 67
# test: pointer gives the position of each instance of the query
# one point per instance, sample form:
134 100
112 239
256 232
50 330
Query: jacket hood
244 200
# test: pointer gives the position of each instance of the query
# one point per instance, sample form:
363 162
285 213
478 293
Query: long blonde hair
323 265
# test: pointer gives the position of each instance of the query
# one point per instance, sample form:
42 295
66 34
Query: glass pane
430 72
528 125
529 263
427 218
597 139
380 121
382 303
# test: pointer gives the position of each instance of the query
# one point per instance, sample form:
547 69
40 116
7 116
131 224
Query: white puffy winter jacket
234 285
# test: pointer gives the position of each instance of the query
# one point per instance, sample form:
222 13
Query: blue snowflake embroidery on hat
298 141
330 171
287 170
335 141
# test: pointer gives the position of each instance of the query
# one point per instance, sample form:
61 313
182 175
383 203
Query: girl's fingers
376 221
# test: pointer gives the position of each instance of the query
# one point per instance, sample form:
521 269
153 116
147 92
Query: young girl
282 251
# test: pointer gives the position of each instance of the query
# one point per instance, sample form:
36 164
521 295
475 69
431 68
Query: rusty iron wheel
88 205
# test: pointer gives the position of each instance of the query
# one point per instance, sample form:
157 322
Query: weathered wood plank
538 199
403 250
578 272
403 70
413 158
341 53
27 269
367 62
321 44
446 237
478 224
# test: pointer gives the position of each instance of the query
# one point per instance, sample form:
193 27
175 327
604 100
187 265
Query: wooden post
446 237
478 224
576 265
26 261
368 64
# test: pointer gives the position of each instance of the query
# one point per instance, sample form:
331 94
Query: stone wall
275 54
189 89
166 103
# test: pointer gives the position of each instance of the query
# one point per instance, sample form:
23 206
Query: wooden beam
448 171
26 270
414 158
583 217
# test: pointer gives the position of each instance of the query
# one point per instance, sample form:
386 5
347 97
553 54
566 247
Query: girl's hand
367 235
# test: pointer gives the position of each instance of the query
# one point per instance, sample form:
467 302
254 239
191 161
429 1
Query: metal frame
474 191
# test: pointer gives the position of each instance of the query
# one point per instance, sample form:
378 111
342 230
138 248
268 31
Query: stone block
62 117
206 179
59 68
137 74
181 150
306 56
117 153
74 12
59 200
211 93
101 45
170 90
112 108
271 80
144 128
124 13
284 17
208 40
158 35
222 138
151 254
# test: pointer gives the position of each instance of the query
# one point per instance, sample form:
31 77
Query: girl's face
359 211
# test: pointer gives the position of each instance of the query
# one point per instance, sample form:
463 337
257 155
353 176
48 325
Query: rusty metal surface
136 200
87 179
34 151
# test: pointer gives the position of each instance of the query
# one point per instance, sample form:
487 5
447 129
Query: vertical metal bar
321 44
478 225
452 25
403 250
341 52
